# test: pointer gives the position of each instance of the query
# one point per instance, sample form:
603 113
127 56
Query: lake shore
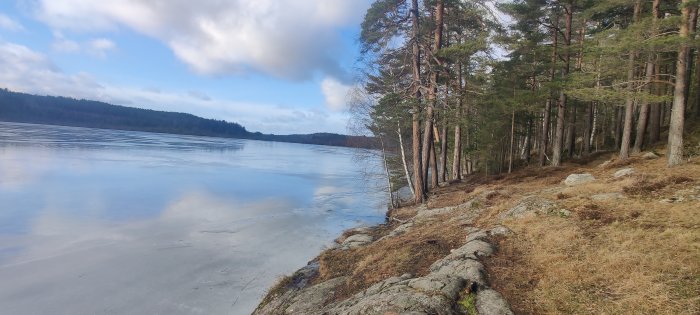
592 236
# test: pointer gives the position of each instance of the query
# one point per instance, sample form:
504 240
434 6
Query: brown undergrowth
635 255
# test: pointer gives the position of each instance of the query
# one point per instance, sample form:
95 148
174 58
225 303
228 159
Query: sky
274 66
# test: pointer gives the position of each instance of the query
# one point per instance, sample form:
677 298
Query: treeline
449 89
50 110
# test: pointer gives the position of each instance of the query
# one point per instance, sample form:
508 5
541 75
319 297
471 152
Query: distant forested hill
51 110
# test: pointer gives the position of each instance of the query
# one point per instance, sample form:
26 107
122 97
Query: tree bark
443 149
457 156
561 105
548 106
416 146
677 121
512 138
648 77
432 93
403 160
388 175
629 103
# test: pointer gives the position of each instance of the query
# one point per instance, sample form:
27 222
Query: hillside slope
624 240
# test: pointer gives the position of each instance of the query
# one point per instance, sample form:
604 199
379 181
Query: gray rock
650 156
356 240
478 235
490 302
313 299
530 205
624 172
578 179
500 230
607 196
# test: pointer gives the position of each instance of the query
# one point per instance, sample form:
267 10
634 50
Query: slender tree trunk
388 175
528 140
619 113
648 77
561 105
403 160
433 167
655 108
512 138
432 93
417 167
571 131
443 149
675 132
588 131
595 125
629 103
457 156
548 106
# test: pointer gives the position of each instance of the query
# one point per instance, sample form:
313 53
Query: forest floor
618 244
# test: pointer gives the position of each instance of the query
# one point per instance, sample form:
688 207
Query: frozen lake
117 222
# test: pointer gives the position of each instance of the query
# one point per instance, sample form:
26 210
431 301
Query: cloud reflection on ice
133 230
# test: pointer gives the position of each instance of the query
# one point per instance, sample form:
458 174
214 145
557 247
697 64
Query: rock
356 240
674 199
650 156
314 298
473 250
492 303
624 172
607 196
479 235
500 230
530 205
578 179
564 213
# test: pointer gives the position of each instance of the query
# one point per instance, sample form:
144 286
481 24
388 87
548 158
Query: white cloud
336 93
290 39
100 46
28 71
9 24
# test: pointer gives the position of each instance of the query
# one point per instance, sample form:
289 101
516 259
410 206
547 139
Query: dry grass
639 256
411 253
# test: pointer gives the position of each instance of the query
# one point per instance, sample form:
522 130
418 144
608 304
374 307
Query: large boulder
624 172
578 179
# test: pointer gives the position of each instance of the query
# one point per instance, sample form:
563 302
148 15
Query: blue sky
275 66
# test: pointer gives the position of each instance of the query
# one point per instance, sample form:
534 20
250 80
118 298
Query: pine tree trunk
443 151
588 131
561 105
432 93
416 145
388 175
629 103
457 156
403 161
512 138
571 131
644 107
675 132
544 141
655 108
433 167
